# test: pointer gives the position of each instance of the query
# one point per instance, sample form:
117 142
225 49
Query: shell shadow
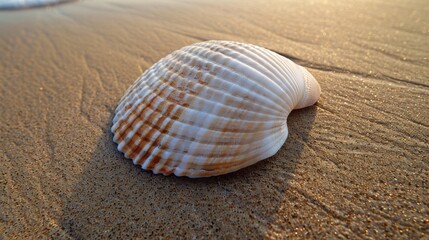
116 199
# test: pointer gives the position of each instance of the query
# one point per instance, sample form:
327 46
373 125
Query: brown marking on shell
175 98
166 171
149 123
126 147
210 169
219 168
167 161
119 125
138 116
201 81
153 163
214 150
180 95
156 142
205 80
120 135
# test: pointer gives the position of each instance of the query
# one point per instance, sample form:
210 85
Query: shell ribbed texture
208 109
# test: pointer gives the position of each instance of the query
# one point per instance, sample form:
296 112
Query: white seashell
211 108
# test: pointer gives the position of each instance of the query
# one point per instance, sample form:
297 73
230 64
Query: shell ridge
149 83
230 168
284 76
290 78
143 85
137 110
147 79
129 102
180 61
270 64
257 83
157 112
136 99
312 89
224 142
179 156
218 156
265 64
230 107
135 86
280 110
145 135
296 86
139 133
268 70
127 144
248 68
121 130
145 151
145 123
246 153
120 109
168 85
215 129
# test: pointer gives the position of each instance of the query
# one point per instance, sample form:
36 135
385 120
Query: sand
355 165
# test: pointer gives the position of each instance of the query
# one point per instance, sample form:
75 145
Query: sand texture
356 165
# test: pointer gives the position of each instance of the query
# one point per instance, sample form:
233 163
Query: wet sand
6 5
356 165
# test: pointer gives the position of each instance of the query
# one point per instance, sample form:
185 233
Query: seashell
211 108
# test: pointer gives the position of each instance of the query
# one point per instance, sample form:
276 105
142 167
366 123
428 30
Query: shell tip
312 90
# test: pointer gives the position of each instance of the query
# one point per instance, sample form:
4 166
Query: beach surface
355 165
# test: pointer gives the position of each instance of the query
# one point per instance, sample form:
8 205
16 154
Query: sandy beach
355 165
